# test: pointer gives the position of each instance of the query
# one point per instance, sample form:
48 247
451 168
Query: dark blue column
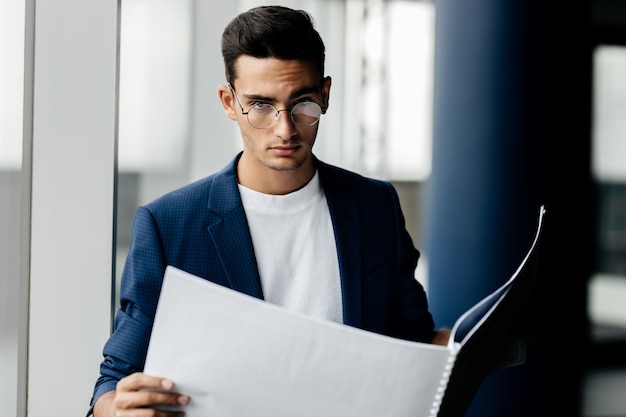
511 132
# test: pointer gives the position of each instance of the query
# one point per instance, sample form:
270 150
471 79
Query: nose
284 126
277 115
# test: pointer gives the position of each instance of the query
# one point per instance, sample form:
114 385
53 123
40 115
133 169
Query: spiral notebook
238 356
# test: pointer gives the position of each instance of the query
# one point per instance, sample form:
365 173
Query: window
173 129
608 287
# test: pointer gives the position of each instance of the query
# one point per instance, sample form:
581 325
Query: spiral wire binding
443 382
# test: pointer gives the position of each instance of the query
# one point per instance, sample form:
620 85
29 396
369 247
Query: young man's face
284 146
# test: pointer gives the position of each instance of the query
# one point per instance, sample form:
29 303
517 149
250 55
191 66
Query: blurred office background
477 111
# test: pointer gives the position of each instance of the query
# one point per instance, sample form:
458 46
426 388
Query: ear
326 92
225 95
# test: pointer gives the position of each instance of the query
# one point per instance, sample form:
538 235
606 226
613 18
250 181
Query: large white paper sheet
237 356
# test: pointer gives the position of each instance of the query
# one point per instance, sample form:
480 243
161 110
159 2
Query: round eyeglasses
264 115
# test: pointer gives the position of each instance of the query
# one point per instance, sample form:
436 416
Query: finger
130 400
149 412
140 380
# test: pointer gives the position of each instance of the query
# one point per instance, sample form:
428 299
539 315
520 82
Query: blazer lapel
230 234
229 227
345 218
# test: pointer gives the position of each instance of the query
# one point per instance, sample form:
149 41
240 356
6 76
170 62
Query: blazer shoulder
199 193
343 180
188 193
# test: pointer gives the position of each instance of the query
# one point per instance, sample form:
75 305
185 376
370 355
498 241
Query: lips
285 150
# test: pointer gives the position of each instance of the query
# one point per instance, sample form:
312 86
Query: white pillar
70 102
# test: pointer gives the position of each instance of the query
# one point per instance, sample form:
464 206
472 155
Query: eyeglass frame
277 114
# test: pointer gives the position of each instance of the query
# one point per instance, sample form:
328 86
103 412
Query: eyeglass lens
305 113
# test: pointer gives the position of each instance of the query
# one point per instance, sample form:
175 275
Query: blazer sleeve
125 351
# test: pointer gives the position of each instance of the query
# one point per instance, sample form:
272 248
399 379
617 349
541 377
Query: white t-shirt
295 249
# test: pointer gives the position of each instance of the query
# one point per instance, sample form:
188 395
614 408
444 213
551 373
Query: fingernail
167 384
183 400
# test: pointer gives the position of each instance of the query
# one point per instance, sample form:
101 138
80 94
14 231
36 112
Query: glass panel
154 106
607 291
387 117
410 80
11 88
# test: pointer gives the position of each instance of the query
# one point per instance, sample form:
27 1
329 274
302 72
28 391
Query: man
276 223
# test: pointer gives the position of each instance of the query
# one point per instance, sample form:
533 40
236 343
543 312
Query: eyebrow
294 95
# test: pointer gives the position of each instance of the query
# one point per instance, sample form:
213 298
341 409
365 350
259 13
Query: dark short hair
272 32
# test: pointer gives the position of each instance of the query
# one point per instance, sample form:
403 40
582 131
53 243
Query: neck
266 180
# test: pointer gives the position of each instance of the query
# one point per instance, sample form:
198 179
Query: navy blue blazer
201 228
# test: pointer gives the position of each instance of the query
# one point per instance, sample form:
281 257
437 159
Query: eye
259 106
304 100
